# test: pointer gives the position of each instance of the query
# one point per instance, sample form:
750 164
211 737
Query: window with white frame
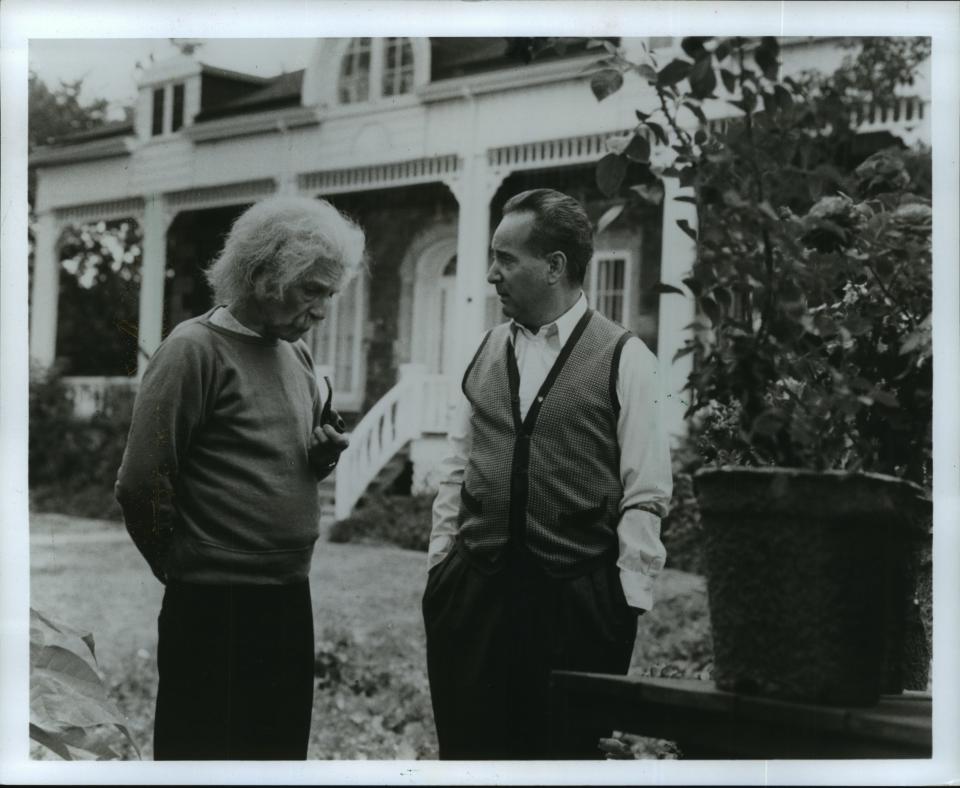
156 123
167 109
337 345
376 68
354 84
179 94
397 66
608 285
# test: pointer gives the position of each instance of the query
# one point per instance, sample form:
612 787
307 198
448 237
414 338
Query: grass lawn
372 699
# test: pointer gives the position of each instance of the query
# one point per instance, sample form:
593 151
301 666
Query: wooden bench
708 723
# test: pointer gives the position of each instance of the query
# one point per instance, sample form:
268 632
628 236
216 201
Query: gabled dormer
175 91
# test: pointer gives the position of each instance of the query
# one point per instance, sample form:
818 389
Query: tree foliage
56 113
813 268
880 67
73 462
99 261
97 326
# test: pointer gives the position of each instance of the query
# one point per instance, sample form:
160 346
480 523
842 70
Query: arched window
397 66
376 68
354 84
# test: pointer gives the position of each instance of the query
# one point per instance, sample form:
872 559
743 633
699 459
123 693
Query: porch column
152 276
474 187
677 255
45 291
287 184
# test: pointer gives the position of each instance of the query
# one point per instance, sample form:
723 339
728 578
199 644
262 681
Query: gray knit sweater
216 485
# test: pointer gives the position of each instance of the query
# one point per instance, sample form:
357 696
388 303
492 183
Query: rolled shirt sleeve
645 473
447 503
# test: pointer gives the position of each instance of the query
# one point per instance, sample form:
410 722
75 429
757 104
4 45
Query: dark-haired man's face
518 273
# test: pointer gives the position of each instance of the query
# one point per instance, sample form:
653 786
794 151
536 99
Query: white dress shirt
645 471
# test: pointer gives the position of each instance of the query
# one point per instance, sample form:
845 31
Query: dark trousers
236 673
492 640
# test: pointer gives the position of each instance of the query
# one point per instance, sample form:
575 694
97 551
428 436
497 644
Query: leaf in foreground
69 705
610 173
606 83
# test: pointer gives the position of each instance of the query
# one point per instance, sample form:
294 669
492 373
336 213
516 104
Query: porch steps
328 496
385 479
389 475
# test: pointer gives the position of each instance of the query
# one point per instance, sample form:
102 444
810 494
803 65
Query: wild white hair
278 241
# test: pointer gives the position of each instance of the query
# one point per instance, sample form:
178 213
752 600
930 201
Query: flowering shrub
813 270
73 462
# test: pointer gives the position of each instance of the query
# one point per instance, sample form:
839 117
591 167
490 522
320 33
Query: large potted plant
811 388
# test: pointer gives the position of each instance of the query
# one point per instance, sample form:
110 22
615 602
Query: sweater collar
223 317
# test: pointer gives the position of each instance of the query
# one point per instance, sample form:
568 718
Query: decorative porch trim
100 211
380 176
584 149
216 196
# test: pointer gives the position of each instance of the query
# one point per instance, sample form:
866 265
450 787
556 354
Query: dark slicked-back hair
560 225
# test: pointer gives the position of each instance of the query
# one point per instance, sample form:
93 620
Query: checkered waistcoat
551 481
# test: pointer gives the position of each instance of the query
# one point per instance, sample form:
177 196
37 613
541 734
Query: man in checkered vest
546 527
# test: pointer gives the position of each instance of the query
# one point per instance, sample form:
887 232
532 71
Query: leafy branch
794 277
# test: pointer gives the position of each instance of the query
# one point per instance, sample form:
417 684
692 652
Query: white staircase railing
93 394
419 403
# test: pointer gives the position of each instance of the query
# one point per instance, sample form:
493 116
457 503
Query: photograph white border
25 19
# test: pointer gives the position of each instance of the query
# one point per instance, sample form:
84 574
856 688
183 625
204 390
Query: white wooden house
421 140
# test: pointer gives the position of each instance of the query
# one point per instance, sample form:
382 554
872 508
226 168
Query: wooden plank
710 723
683 693
898 728
795 716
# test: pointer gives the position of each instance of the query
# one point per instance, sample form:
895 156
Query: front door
433 319
443 353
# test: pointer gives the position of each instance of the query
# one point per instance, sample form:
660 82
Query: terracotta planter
809 577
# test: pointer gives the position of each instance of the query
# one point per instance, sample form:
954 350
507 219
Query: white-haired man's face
304 304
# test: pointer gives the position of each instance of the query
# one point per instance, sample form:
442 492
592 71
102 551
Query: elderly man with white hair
218 487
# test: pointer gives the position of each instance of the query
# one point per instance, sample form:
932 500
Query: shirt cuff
638 589
440 547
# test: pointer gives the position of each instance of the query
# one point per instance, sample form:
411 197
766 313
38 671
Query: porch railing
903 116
95 394
420 403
